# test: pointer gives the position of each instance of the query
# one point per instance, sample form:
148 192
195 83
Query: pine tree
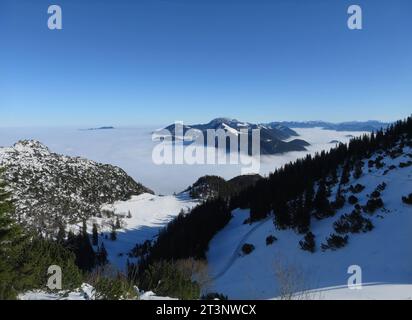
282 216
102 255
70 237
303 216
84 227
321 202
309 194
308 242
345 174
36 257
339 199
113 234
334 176
10 242
24 262
118 225
81 246
61 234
95 235
300 216
358 170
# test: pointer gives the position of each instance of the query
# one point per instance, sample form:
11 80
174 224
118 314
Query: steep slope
52 190
383 253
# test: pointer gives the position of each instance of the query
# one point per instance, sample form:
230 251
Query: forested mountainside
25 256
209 187
297 195
51 190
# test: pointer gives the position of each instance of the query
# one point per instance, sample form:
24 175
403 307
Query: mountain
368 126
100 128
308 225
272 137
50 190
209 187
299 228
367 226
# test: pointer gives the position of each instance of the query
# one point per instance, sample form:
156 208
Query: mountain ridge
272 137
369 125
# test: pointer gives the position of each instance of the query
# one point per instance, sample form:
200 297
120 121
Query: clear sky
119 62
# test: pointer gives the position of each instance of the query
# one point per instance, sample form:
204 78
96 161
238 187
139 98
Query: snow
373 291
149 214
230 129
85 292
384 254
150 295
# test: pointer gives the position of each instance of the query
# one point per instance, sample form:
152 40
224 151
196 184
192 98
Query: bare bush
290 280
196 270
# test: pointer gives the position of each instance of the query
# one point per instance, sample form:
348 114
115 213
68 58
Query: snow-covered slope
142 218
384 254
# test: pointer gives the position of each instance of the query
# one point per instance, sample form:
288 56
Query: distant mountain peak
272 137
100 128
222 120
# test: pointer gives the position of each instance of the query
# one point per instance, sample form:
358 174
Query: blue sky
155 61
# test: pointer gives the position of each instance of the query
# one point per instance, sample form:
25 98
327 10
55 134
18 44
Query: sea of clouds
131 149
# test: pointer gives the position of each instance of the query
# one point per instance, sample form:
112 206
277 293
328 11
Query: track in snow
236 254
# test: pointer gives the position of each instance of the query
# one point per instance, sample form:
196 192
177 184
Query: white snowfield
85 292
384 254
149 214
375 291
